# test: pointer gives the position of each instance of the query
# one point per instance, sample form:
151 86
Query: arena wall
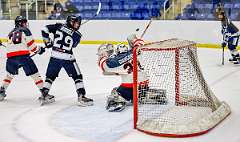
205 33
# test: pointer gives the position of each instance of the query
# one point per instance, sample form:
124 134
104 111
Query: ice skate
84 101
2 93
232 59
235 59
47 99
236 62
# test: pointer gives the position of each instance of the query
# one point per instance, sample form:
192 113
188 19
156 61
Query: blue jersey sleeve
26 31
119 59
50 29
76 38
229 27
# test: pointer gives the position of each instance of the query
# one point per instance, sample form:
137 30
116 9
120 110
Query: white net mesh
177 101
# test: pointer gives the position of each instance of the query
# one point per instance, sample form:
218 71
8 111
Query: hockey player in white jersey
65 38
19 47
230 35
120 63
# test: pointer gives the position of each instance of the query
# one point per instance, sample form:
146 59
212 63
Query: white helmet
121 48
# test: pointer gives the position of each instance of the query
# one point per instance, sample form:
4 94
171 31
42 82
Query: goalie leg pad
126 93
153 96
115 102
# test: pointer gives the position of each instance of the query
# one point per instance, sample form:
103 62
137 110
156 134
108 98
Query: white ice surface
23 120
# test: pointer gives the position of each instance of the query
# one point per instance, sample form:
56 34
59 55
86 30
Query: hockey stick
222 55
1 44
146 28
109 73
98 11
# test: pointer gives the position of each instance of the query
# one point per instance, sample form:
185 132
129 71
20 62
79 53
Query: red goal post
178 102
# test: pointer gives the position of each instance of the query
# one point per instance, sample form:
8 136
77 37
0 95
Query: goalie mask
121 48
105 50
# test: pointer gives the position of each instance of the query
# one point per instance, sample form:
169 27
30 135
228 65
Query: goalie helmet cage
182 104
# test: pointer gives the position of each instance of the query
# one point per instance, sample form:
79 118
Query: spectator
57 14
110 5
215 4
155 10
122 5
192 12
141 13
69 8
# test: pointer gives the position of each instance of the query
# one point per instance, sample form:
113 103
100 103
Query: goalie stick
98 11
109 73
146 28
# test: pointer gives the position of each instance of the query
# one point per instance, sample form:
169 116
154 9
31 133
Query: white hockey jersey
20 42
121 64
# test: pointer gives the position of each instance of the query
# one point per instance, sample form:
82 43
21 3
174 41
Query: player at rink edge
120 63
65 38
19 47
230 34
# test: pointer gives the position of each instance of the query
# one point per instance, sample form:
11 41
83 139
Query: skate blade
118 109
81 104
44 102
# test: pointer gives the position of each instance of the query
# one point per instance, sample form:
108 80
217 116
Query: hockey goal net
177 102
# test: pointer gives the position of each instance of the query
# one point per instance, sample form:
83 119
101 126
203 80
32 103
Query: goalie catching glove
105 50
224 44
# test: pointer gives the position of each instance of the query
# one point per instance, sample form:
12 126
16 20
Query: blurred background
118 9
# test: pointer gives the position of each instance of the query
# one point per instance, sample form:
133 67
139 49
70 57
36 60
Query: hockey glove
224 44
41 50
48 43
235 34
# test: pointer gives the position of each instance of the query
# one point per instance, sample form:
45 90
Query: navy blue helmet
19 21
72 19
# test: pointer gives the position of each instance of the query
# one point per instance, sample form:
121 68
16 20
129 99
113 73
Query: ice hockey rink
22 119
